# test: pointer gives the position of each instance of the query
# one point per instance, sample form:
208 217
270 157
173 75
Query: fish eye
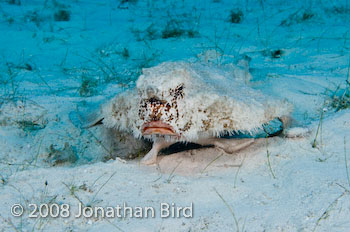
150 92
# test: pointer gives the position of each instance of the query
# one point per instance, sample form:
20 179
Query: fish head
159 111
162 91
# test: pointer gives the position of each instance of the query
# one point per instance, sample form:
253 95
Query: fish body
191 102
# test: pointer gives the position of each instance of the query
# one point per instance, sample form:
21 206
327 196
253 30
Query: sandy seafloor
60 56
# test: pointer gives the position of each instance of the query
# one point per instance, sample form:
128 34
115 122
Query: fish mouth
157 127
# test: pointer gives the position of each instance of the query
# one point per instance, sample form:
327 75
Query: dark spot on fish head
155 109
177 92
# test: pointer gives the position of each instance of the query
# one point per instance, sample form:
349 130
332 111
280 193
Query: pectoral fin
87 118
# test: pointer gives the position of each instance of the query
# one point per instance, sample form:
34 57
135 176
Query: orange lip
157 127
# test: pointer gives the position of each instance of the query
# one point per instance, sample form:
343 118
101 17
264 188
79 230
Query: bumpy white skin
199 102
